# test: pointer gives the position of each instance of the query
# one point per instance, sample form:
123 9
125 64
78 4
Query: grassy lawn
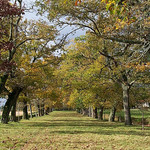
67 130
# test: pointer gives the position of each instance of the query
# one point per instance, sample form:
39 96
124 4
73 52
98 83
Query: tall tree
124 27
10 16
30 51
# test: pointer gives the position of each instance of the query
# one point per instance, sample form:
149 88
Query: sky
33 15
2 102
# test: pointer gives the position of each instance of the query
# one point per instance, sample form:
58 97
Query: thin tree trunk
25 110
95 113
127 114
112 114
39 111
31 115
12 98
101 113
90 112
13 112
142 120
42 110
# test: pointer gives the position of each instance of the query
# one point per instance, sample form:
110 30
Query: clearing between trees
67 130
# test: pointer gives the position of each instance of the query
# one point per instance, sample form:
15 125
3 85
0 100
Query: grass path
67 130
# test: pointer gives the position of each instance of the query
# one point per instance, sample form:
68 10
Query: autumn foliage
77 1
7 11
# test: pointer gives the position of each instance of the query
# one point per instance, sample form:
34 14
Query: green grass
67 130
136 115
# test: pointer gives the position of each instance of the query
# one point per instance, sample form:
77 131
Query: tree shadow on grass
75 123
102 132
102 128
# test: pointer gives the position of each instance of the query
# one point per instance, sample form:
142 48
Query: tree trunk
31 111
101 113
47 110
3 82
112 114
90 111
39 111
13 112
86 111
42 110
95 113
25 110
12 98
51 110
127 114
142 120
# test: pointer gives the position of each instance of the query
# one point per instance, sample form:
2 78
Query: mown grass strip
69 130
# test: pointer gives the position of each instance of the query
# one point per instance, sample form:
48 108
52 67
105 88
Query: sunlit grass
62 130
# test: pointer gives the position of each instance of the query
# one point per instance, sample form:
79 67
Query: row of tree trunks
10 106
42 111
12 98
93 112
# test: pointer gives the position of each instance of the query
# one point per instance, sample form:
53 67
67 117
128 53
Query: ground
68 130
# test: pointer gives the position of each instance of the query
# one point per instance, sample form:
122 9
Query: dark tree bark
127 114
25 110
39 110
13 112
31 114
47 110
101 113
12 98
3 82
42 110
112 114
95 113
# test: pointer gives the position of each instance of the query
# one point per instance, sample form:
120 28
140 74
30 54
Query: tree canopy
104 68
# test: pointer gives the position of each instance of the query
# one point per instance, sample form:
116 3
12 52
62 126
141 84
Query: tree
10 16
85 77
126 28
28 53
12 97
